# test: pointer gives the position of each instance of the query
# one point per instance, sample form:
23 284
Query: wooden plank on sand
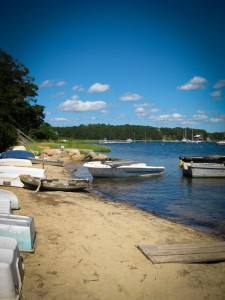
186 253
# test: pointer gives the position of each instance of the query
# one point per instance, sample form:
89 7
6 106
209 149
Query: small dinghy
4 194
15 162
21 228
67 185
11 269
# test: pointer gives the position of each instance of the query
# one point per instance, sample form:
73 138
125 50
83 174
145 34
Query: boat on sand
67 185
122 168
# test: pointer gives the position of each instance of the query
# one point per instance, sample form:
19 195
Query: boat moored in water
203 166
123 168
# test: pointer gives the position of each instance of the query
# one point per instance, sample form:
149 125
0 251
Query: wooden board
187 253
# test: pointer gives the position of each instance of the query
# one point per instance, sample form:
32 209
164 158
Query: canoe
15 162
44 161
67 185
10 196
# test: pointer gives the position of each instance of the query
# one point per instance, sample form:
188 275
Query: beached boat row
17 234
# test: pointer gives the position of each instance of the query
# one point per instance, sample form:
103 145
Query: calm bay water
192 201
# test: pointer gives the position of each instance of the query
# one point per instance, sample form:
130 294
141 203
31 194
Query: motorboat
66 185
122 168
203 166
221 143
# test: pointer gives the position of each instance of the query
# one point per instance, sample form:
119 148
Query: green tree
17 100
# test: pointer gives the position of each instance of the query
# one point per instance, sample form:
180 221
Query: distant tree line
135 132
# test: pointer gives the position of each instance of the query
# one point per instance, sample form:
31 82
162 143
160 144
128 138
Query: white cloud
59 94
46 83
60 83
104 112
121 117
216 94
219 84
81 106
130 97
195 83
216 120
60 120
145 109
49 83
98 87
78 88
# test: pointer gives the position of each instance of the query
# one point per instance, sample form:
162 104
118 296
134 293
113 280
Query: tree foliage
17 99
123 132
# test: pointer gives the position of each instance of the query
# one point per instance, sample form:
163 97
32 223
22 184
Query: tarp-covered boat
16 154
67 185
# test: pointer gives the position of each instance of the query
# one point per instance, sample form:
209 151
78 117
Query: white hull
9 175
99 170
11 197
203 170
221 143
15 162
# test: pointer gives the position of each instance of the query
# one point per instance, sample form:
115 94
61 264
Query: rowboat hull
34 160
66 185
201 170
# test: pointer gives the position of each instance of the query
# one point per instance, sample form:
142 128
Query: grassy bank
82 145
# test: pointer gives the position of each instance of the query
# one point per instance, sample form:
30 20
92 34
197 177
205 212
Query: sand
86 249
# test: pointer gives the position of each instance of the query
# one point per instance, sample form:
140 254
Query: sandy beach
87 249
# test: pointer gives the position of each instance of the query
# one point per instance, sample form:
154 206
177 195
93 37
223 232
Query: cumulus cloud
195 83
98 87
46 83
216 94
104 112
81 106
145 109
78 88
219 84
60 120
49 83
60 83
59 94
127 97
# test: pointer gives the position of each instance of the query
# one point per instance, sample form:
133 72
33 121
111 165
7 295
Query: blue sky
157 63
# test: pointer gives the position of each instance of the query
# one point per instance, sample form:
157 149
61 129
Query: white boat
105 141
11 269
121 168
9 175
221 143
21 228
208 166
5 206
15 162
11 197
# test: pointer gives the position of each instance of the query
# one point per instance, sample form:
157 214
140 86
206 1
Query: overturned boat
21 228
122 168
66 185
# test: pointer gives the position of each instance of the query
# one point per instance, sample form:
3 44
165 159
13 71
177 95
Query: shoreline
87 249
